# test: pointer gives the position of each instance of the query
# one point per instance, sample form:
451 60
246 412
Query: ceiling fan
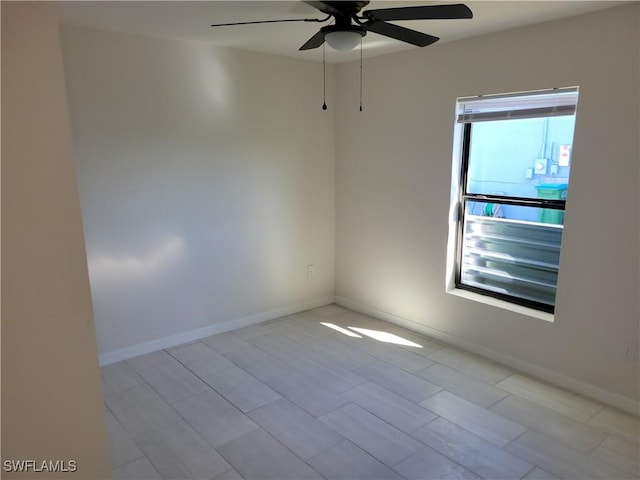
350 25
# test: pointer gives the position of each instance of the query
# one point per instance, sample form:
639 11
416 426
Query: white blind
543 103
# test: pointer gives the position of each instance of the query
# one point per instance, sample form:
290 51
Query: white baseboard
114 356
613 399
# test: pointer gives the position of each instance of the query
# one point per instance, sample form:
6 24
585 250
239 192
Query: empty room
320 240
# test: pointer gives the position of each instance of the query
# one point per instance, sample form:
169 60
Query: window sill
496 302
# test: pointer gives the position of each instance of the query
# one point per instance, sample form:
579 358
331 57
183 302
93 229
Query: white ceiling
191 20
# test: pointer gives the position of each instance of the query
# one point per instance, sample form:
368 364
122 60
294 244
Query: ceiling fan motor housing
340 8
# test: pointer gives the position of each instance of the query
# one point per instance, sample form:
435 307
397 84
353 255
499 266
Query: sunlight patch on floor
340 329
386 337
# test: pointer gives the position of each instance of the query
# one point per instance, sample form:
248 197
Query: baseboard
198 333
613 399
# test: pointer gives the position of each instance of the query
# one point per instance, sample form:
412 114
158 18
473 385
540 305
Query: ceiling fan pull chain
324 79
360 74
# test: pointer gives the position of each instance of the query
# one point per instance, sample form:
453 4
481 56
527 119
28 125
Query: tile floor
334 394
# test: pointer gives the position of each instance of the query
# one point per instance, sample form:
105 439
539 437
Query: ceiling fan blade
400 33
269 21
427 12
313 42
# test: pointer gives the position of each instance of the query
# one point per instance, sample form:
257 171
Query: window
512 162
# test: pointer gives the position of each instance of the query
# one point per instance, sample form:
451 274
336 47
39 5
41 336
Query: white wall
51 394
206 180
393 176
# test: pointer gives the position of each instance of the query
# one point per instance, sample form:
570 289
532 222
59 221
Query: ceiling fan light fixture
343 39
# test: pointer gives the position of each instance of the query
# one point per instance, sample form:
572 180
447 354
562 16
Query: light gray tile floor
562 401
475 453
140 469
539 474
119 376
619 453
294 398
241 389
201 359
257 455
140 409
225 342
299 431
258 363
562 460
214 418
391 408
347 461
555 425
484 423
463 385
428 464
123 448
483 370
178 451
306 393
403 383
373 435
173 381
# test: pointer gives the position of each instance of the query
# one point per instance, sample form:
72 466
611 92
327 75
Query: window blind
544 103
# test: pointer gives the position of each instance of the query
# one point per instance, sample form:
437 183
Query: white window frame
494 107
